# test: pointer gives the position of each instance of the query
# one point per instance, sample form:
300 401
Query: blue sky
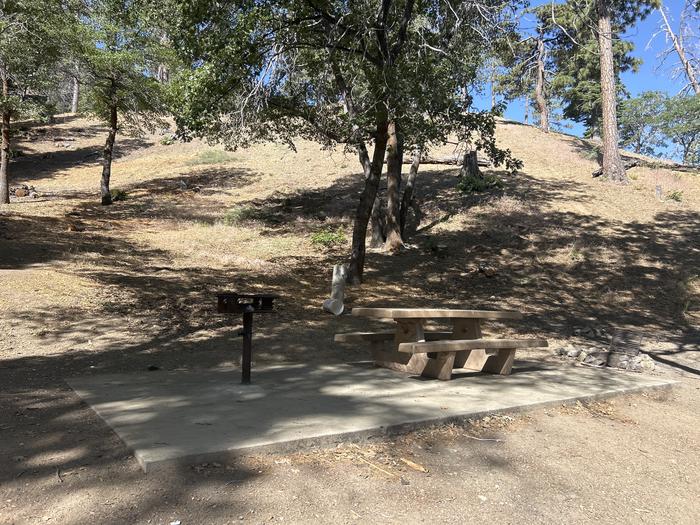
649 77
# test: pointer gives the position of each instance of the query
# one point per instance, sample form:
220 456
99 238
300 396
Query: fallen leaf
414 466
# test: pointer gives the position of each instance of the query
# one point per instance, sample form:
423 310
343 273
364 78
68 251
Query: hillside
567 249
87 289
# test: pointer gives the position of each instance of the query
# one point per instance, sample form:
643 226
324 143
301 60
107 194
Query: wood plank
357 337
469 344
434 313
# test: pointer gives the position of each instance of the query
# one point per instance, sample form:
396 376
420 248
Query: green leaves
118 54
651 120
639 120
680 122
327 71
32 33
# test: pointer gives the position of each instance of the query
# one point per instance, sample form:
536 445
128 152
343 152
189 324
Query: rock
74 227
488 271
573 352
21 192
618 360
596 359
564 350
647 363
635 364
582 355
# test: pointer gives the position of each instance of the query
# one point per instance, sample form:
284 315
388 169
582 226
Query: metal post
247 344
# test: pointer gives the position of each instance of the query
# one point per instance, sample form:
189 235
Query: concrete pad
192 416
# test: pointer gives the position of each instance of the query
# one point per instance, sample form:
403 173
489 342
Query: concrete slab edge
330 440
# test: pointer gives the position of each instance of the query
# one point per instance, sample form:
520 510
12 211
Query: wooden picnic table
410 348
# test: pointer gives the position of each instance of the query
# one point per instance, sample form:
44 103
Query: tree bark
690 72
470 166
364 208
163 72
407 199
76 96
613 169
526 117
5 145
378 235
107 158
393 188
540 95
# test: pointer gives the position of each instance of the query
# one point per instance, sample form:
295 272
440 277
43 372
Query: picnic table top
434 313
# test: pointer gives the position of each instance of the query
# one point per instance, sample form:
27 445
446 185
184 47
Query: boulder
596 359
618 360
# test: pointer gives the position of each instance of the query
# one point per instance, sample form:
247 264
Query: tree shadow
563 269
31 167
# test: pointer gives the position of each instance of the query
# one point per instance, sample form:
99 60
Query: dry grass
247 219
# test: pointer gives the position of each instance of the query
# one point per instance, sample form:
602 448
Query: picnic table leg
501 363
468 329
439 365
407 331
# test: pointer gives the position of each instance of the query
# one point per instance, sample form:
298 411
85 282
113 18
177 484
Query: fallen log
626 162
453 160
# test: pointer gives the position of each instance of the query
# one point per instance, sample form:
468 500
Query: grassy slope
86 289
568 250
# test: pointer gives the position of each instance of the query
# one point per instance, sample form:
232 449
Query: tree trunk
5 146
526 118
76 96
378 235
613 169
470 166
393 188
163 72
407 199
540 96
107 159
690 72
364 207
687 150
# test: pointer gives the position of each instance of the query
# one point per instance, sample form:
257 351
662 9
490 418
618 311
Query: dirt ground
86 289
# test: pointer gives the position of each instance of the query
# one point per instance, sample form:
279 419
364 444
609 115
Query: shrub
328 237
675 195
240 214
211 156
477 184
118 195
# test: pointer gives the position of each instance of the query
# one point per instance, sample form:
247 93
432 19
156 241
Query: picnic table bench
410 348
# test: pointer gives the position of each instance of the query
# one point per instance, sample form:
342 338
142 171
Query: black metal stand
246 304
247 344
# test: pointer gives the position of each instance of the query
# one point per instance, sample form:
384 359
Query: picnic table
412 349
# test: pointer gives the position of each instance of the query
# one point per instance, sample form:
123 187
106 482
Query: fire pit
246 304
